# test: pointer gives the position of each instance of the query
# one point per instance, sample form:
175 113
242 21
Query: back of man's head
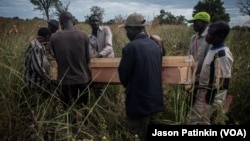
221 28
53 23
44 32
65 16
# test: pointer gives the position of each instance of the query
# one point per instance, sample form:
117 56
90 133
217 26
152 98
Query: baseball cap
201 16
134 19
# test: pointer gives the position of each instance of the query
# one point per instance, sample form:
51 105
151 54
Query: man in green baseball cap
200 16
198 47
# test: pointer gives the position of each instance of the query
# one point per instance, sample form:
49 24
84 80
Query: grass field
28 115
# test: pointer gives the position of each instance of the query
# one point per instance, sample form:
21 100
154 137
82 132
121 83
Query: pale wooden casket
175 70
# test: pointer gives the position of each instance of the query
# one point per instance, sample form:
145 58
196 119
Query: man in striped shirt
36 62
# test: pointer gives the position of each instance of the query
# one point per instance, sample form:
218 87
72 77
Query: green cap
201 16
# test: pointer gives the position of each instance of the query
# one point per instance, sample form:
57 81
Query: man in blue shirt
140 74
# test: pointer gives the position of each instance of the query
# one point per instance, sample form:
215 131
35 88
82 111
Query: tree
44 5
214 8
96 10
119 19
244 6
60 7
180 19
166 17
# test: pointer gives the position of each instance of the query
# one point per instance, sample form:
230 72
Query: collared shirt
102 44
36 65
217 64
216 72
198 48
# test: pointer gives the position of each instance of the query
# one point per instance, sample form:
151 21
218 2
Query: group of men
213 67
72 50
140 66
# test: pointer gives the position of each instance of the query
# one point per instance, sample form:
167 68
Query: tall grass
27 115
240 84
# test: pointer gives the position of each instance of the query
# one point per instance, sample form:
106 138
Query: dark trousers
139 125
98 89
74 93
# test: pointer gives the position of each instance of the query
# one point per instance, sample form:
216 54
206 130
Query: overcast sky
149 8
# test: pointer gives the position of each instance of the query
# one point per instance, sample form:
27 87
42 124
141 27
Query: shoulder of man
84 34
55 35
105 28
194 36
33 44
28 48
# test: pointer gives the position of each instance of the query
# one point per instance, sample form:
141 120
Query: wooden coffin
175 70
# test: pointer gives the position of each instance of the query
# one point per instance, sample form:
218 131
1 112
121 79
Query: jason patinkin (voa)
186 132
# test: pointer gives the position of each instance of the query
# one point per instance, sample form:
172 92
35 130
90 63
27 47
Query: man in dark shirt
70 48
140 73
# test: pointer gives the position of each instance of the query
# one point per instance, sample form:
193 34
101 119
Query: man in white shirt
100 39
100 46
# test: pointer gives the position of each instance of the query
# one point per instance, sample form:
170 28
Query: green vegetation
29 115
214 8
